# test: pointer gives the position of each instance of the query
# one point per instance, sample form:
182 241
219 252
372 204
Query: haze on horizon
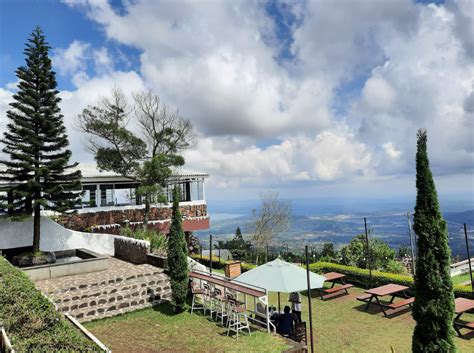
308 98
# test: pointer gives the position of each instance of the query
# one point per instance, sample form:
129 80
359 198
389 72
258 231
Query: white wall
54 237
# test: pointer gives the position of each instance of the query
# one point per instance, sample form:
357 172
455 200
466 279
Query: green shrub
218 265
361 277
31 320
394 266
158 241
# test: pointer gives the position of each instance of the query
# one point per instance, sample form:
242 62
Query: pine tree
36 142
177 259
238 234
433 309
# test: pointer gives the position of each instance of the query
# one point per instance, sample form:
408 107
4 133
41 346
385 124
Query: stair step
112 298
113 309
107 280
62 297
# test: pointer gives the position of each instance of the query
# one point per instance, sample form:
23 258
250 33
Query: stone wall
113 220
131 250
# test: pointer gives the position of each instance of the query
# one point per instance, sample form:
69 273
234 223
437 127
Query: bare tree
145 155
272 218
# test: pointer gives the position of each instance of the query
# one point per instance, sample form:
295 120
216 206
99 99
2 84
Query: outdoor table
462 305
389 289
334 278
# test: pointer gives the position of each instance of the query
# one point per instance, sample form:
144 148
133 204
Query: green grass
461 278
161 330
340 325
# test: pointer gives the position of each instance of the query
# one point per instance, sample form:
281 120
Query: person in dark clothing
285 322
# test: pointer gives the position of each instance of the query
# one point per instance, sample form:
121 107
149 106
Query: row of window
124 194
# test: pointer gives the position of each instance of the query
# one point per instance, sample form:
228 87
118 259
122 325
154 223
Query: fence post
411 245
210 254
468 257
309 300
368 252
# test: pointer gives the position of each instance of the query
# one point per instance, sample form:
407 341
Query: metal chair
238 319
207 298
198 291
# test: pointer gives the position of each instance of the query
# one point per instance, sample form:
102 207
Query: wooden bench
458 325
401 303
338 288
364 297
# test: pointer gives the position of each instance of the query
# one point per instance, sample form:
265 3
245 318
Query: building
109 202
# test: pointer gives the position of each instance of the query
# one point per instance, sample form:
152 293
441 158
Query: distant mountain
461 217
339 228
342 205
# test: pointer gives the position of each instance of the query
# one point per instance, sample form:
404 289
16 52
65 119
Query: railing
88 334
5 345
243 288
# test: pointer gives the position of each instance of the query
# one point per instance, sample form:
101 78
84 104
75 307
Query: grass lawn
461 278
340 325
160 330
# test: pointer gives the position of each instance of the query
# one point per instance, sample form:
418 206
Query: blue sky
60 23
303 97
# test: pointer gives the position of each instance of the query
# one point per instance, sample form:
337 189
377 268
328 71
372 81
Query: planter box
232 269
85 261
157 261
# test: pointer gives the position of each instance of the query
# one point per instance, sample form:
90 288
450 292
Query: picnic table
393 290
462 305
334 278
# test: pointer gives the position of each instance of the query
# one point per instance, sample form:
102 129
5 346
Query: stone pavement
122 288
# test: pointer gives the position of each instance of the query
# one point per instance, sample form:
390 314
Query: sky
308 98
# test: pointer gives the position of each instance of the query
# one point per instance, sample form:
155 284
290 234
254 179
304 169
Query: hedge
218 265
361 276
31 320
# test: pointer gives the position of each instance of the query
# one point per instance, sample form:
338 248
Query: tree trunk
36 228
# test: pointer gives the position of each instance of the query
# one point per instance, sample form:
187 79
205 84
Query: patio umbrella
281 276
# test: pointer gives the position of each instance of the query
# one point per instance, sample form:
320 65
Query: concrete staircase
108 293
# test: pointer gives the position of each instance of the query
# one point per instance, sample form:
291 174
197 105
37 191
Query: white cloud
331 155
391 151
216 62
102 60
72 59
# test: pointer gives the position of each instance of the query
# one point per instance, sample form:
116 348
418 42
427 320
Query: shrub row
219 264
31 320
361 277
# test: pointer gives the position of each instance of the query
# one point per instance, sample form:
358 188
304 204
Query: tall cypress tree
433 309
177 259
37 170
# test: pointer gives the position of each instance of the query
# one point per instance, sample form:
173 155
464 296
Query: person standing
295 299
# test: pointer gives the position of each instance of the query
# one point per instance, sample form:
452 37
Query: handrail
87 333
5 344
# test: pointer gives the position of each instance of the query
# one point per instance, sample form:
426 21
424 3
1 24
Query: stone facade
111 221
131 250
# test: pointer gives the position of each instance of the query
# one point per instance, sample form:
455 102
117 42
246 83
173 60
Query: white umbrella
281 276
